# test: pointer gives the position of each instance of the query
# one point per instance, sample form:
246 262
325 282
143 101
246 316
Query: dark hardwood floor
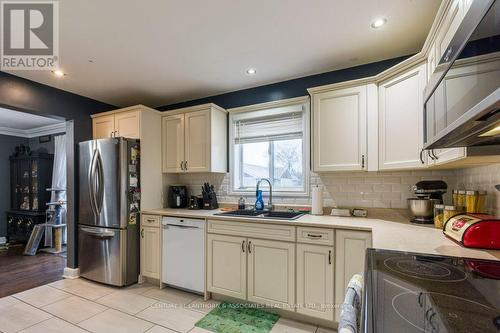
19 272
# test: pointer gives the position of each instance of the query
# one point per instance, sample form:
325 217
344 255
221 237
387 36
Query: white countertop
399 236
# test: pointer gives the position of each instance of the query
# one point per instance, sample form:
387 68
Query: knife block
210 202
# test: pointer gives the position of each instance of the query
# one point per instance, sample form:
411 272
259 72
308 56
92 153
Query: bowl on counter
422 209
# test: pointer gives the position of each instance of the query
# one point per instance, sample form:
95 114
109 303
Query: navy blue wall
288 89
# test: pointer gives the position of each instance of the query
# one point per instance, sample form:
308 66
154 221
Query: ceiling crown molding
34 132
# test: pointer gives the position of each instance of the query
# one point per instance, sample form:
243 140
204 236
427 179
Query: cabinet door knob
111 135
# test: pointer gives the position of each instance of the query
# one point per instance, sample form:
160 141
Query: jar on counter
481 202
450 211
471 198
461 198
439 216
454 197
476 202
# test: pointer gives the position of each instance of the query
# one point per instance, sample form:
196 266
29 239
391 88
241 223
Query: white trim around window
269 109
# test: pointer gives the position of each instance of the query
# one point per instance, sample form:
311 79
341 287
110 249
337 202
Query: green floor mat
238 318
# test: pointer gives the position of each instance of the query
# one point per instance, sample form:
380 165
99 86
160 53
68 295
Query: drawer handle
330 257
249 246
243 246
314 236
151 220
142 233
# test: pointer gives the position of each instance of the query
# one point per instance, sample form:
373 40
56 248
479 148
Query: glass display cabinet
30 176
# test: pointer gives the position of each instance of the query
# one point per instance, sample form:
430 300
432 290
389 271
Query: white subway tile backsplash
362 189
482 178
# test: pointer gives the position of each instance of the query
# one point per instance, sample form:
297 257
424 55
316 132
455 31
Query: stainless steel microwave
462 98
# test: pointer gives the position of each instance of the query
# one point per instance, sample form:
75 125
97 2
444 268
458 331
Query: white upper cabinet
340 129
125 124
173 143
195 140
449 25
401 120
143 123
128 124
103 126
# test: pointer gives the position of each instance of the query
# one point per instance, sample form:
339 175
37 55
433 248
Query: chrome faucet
270 203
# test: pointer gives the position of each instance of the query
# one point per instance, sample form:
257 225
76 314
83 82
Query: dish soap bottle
259 203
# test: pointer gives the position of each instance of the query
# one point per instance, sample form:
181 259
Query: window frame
253 111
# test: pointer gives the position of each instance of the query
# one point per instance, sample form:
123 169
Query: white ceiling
23 124
159 52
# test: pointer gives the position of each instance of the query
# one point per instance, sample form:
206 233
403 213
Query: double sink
262 214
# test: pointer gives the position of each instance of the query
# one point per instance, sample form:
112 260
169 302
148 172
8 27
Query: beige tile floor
74 306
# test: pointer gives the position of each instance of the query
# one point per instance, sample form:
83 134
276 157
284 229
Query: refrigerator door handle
99 234
100 183
91 183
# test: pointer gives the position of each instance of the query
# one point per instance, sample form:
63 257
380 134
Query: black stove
409 292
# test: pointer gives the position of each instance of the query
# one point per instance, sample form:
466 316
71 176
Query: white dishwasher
183 253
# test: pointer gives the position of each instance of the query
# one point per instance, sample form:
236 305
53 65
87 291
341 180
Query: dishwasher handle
181 226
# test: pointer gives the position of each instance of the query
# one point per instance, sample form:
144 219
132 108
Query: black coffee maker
177 196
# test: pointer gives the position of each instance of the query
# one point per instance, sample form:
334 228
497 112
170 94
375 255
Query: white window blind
278 124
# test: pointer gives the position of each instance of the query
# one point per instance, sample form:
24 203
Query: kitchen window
273 143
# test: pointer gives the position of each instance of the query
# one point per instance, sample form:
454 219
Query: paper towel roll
317 200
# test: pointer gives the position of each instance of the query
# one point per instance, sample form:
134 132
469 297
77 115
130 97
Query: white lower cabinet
315 272
271 273
150 252
307 273
226 265
349 259
267 266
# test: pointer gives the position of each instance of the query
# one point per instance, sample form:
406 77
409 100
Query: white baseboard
71 273
3 240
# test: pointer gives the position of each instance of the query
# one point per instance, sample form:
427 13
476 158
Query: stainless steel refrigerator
109 203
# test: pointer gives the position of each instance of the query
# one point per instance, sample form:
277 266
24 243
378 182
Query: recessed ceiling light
251 71
58 73
378 23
